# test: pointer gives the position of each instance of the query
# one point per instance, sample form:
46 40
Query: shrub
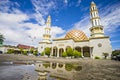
35 52
69 52
21 50
64 54
10 51
25 52
97 57
76 54
42 54
47 51
105 55
31 50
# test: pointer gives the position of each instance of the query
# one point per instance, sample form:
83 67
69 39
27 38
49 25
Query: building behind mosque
92 46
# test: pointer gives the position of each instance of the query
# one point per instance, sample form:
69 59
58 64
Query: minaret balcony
46 35
91 11
96 27
94 18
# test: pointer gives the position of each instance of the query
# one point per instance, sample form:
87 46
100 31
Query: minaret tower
47 34
97 28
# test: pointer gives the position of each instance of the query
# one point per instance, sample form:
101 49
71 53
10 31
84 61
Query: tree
64 54
115 52
25 52
69 52
21 50
42 54
1 39
47 51
76 54
35 52
31 50
10 51
105 55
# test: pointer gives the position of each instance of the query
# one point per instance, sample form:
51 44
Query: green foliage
115 52
69 67
78 68
64 54
21 50
42 54
31 50
1 39
76 54
105 55
10 51
69 52
35 53
25 52
97 57
46 65
47 51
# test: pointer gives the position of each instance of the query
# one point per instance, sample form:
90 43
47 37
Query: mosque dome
76 35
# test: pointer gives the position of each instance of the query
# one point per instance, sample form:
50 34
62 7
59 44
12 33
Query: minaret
47 29
97 28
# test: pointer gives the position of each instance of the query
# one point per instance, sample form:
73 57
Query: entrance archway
86 51
78 49
55 51
61 50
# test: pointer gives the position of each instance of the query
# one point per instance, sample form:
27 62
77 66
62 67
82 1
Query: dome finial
92 2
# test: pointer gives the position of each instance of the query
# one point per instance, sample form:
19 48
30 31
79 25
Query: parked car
117 57
1 52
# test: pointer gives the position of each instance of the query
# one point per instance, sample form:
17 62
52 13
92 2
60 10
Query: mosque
92 46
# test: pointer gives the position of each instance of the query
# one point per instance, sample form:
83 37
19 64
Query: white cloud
66 1
83 25
56 31
78 3
110 19
42 8
17 31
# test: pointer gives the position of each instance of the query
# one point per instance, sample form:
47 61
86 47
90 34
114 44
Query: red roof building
24 46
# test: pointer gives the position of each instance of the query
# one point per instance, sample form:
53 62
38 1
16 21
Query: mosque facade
92 46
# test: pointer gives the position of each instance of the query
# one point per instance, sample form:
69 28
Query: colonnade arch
86 51
55 50
78 48
61 50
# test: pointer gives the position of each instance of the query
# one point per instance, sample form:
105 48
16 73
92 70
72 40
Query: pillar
82 51
58 52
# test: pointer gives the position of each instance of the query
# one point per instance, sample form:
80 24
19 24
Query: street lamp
32 38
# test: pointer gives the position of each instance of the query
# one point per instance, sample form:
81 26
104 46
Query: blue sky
20 19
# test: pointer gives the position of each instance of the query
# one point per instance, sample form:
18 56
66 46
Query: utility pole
32 39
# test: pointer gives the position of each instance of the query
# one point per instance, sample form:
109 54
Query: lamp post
32 38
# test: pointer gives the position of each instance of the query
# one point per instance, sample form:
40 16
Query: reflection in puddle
55 71
29 70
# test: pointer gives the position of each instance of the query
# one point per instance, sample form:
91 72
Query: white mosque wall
82 44
63 43
100 46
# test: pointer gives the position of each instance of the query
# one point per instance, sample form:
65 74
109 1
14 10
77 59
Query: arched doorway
86 51
78 49
67 47
55 51
61 50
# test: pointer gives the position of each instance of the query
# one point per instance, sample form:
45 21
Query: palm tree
1 39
